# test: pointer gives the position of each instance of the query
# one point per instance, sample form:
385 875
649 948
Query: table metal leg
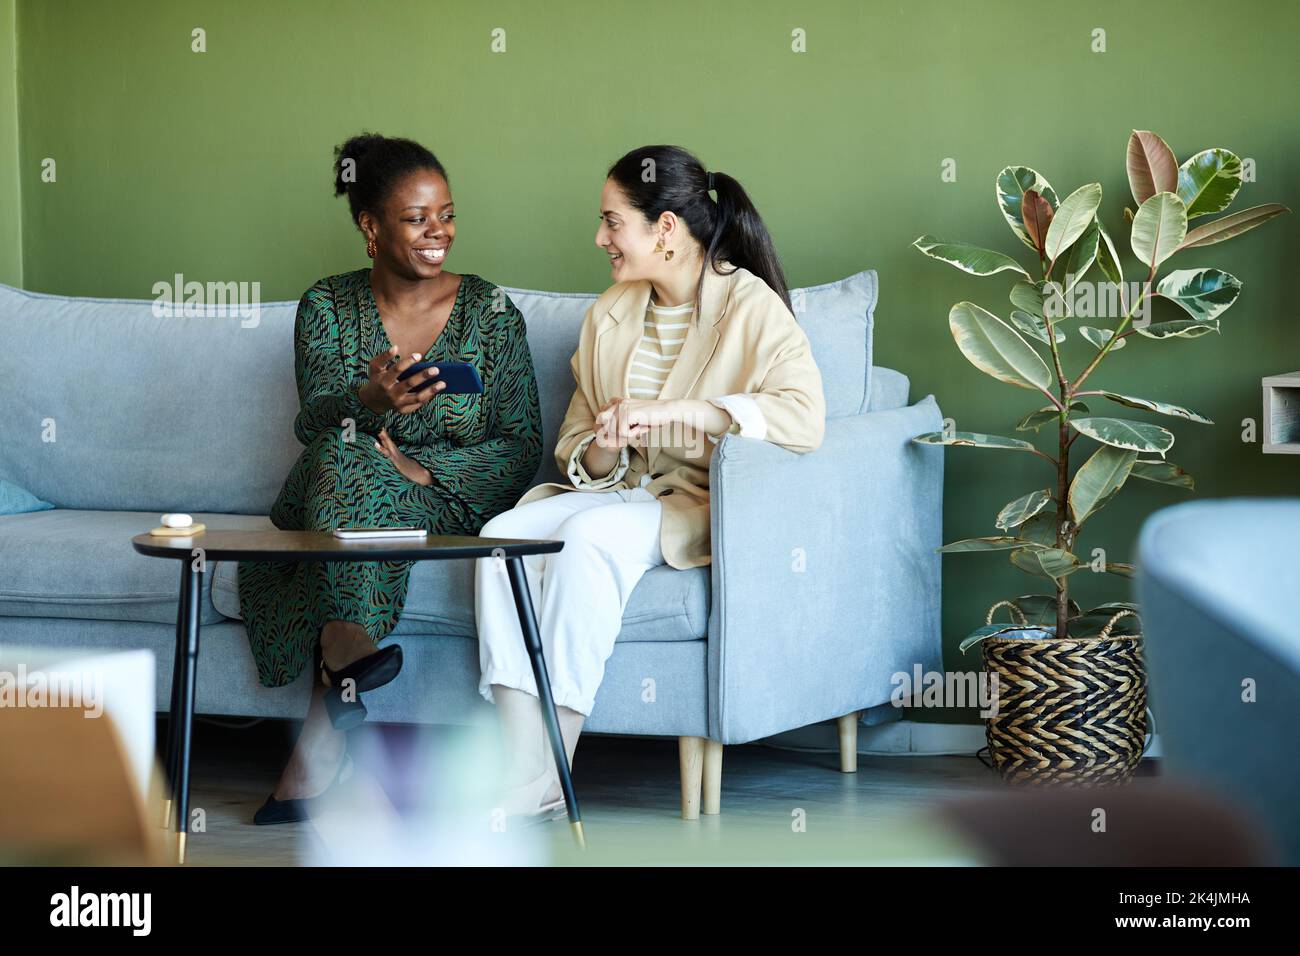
184 714
533 641
173 734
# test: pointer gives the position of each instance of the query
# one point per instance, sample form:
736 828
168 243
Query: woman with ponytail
695 339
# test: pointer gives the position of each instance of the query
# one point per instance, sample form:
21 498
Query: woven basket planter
1070 712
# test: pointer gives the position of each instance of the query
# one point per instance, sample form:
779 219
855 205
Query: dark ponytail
367 167
657 179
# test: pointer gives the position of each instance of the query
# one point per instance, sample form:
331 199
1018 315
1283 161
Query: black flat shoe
370 672
296 810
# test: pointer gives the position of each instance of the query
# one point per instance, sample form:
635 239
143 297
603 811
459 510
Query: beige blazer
744 340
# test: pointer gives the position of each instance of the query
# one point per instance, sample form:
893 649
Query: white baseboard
899 738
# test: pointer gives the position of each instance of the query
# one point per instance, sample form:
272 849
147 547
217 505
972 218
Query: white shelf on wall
1282 414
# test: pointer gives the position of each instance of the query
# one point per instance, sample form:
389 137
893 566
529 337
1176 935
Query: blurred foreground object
1148 823
1219 583
77 757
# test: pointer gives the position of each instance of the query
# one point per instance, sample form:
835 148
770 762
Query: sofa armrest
825 573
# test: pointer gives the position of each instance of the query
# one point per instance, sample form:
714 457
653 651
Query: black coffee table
194 551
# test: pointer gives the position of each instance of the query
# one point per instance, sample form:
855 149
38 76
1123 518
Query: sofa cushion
839 319
19 501
666 605
191 414
80 564
221 399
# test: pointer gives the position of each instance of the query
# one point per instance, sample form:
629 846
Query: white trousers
611 539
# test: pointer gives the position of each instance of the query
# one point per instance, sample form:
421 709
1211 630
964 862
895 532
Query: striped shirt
661 343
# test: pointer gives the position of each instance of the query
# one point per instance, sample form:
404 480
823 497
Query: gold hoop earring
370 247
668 256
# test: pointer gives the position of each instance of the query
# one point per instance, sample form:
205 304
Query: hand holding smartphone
459 378
389 385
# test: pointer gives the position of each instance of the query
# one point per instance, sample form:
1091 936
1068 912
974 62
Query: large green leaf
1011 185
1098 479
1082 255
1047 562
1038 419
1163 408
1177 328
974 439
972 259
1203 293
1075 214
1022 509
1099 337
1033 326
1152 167
1163 472
1112 607
1208 181
1234 225
1040 530
1159 226
1037 297
996 348
1122 433
1108 258
991 630
994 543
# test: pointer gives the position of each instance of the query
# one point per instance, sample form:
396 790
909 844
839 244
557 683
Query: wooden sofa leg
848 725
711 801
690 754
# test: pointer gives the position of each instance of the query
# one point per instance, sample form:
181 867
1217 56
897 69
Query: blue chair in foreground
1219 584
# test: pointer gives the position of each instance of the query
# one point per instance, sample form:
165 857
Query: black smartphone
461 377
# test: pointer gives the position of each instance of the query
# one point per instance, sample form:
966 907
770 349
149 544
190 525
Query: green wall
11 263
217 165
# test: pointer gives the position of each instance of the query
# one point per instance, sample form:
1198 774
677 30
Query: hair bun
367 166
352 151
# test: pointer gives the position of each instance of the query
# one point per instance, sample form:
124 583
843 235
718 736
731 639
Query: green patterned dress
482 451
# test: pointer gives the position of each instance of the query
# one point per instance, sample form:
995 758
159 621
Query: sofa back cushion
113 407
109 406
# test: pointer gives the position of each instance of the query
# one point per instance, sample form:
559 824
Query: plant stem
1064 527
1128 316
1053 399
1064 404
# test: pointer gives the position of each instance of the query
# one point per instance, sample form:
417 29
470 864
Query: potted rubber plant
1072 700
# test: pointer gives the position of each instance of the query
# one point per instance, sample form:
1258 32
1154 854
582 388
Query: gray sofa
824 581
